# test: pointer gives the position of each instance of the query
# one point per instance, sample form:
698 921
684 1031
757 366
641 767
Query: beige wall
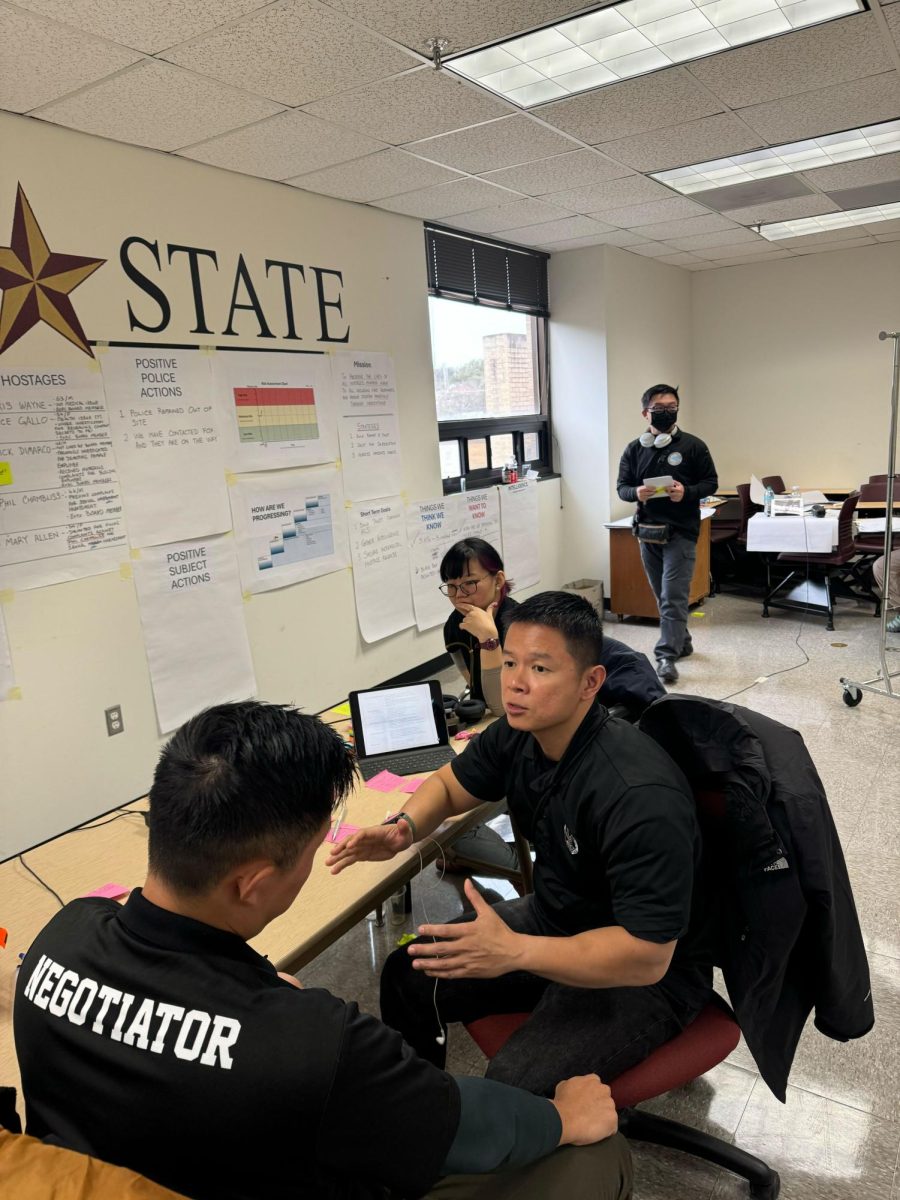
789 377
619 324
77 647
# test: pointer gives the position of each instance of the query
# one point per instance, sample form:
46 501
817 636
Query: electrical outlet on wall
114 722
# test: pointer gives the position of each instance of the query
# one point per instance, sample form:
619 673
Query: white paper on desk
380 567
192 614
166 437
660 485
7 675
814 498
521 543
368 423
757 491
871 524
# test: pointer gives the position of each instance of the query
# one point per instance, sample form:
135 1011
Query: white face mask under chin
658 440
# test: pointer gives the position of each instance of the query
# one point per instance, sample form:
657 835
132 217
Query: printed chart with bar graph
275 414
305 533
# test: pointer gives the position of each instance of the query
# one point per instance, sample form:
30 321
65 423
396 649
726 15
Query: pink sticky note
464 735
344 831
384 781
412 785
110 891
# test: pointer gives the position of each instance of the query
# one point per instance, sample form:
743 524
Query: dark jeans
669 568
572 1031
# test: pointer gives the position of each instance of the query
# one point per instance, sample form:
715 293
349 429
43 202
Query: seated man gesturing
599 951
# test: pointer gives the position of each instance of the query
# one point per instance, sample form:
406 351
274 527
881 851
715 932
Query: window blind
485 271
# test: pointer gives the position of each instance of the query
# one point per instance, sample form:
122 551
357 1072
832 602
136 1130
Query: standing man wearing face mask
665 449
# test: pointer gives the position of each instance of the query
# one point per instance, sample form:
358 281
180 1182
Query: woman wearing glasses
474 583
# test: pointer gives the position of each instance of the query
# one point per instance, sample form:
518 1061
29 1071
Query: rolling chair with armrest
703 1044
775 482
870 546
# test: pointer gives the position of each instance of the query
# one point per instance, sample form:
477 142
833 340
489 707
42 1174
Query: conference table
96 854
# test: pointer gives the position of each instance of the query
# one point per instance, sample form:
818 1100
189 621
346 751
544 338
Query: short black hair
658 389
239 781
575 618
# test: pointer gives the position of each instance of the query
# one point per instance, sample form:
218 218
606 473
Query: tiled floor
838 1136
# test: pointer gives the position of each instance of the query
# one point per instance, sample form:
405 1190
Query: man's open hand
479 949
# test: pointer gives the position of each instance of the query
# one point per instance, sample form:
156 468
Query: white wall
619 323
789 377
77 647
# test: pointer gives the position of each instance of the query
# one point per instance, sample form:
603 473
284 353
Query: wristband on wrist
403 816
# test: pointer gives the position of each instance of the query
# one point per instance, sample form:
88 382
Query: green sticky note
5 473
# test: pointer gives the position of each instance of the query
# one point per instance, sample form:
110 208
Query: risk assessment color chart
278 409
275 414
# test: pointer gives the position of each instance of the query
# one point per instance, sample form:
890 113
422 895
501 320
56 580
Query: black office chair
775 482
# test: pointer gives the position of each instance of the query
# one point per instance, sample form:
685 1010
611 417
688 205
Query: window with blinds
486 272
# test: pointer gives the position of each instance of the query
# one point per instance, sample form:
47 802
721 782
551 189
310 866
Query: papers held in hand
660 485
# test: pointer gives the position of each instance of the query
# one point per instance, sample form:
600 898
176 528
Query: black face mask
663 419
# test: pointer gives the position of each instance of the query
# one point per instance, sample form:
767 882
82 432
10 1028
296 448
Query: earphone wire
442 1032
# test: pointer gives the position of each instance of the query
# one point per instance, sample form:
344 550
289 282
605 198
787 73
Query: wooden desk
630 593
86 858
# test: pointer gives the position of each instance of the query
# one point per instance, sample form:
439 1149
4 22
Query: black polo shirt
162 1044
613 825
463 643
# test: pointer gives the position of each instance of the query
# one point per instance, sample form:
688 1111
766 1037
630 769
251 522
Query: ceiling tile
466 23
294 52
679 260
827 110
737 249
650 249
616 193
669 97
577 243
148 25
677 229
783 210
653 213
509 216
700 266
892 16
503 143
887 237
746 259
40 60
851 244
548 232
461 195
785 66
707 241
418 105
283 147
158 105
840 176
698 141
581 168
825 238
882 228
386 173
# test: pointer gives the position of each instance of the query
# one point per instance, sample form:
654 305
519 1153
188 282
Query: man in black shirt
152 1035
599 950
664 449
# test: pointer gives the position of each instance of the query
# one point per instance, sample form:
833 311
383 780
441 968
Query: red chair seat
702 1045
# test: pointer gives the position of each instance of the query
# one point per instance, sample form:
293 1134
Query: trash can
590 589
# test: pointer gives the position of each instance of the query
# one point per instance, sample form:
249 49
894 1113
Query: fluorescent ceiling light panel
785 160
829 221
630 39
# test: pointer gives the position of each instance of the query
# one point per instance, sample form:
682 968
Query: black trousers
572 1031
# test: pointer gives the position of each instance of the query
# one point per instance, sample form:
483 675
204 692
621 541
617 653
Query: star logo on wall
36 282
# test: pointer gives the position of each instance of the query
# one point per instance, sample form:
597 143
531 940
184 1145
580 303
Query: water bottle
797 499
768 500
